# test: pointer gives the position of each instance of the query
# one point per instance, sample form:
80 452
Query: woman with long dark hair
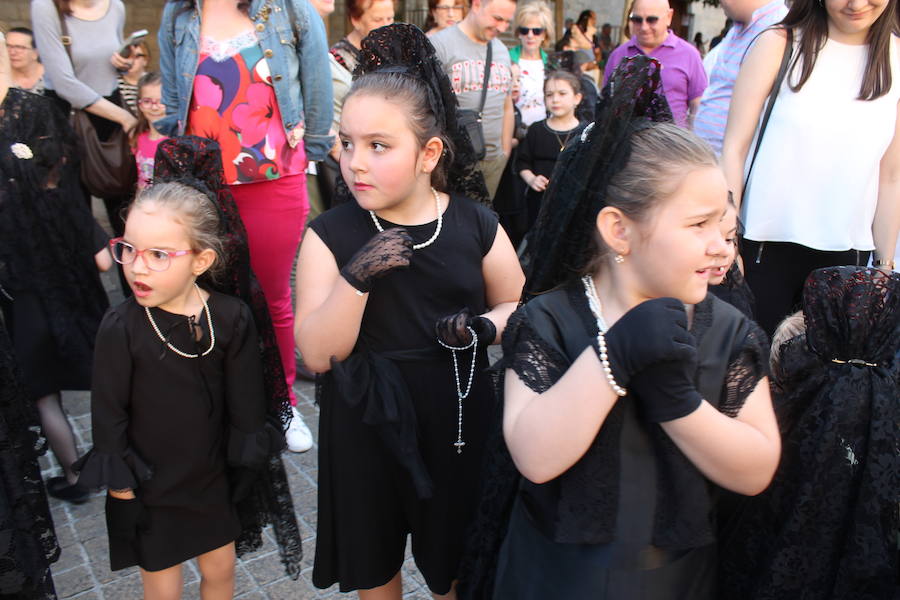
821 188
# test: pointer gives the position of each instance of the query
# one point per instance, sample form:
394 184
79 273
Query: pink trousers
274 213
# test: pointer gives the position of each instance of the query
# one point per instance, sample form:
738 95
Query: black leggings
776 272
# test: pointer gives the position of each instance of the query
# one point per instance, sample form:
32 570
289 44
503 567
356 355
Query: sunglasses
534 30
640 20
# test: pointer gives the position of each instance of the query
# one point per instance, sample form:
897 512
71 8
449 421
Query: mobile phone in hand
134 38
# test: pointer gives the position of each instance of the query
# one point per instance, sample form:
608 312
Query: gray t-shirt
93 43
463 62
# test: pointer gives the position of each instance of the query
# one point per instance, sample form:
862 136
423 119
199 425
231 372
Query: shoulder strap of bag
65 38
487 78
782 71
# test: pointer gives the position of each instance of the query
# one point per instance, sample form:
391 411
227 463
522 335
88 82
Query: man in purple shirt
683 76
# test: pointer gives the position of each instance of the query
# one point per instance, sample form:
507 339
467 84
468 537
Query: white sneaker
298 436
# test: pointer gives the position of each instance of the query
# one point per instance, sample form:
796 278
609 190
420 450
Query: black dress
50 290
167 426
633 519
27 539
538 152
387 461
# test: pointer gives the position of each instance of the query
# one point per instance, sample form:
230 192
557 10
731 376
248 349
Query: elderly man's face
650 20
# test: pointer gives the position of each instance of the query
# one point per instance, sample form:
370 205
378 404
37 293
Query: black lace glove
124 517
665 390
242 482
387 251
452 330
652 331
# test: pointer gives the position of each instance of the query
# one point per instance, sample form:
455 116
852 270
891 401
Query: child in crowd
403 288
546 139
616 441
145 138
827 526
726 281
178 398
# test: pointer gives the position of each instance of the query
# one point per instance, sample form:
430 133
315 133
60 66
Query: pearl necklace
460 395
437 231
212 332
594 302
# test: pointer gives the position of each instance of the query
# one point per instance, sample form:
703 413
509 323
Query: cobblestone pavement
82 570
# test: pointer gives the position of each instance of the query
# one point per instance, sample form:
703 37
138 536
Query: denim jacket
298 61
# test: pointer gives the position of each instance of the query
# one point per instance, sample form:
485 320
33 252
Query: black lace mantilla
404 47
47 233
588 492
190 158
827 526
27 539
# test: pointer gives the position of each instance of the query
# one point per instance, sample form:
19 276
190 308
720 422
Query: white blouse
815 181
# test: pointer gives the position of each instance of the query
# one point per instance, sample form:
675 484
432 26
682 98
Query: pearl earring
619 259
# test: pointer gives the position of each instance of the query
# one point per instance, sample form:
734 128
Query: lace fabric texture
404 48
190 158
735 291
221 50
562 240
827 526
47 233
27 540
385 252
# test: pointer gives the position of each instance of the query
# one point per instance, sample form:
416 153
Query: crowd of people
631 223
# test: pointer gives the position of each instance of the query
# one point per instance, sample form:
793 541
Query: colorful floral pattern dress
234 103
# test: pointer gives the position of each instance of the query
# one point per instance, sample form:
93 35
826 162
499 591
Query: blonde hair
792 326
196 211
541 10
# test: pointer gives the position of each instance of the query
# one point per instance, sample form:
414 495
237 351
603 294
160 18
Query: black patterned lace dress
27 539
633 518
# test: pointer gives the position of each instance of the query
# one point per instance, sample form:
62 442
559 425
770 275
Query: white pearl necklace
437 231
594 302
212 332
460 395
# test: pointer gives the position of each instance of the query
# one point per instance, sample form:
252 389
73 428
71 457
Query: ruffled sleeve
251 439
750 363
111 463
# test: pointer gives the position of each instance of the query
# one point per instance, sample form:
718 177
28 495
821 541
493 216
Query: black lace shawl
735 291
48 236
587 493
404 48
827 527
27 540
188 159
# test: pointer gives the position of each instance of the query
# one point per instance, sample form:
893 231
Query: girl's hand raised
388 251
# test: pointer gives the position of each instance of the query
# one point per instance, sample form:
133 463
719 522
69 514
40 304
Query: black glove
652 331
665 390
124 517
387 251
452 330
242 481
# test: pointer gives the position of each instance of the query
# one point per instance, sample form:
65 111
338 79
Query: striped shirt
712 115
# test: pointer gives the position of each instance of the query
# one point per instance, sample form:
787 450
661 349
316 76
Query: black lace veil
191 160
404 48
561 243
827 526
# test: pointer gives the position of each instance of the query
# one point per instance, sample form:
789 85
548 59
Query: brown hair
411 93
357 8
566 76
143 125
193 209
809 19
430 22
661 155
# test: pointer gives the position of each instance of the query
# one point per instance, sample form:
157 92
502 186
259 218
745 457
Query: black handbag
470 120
108 168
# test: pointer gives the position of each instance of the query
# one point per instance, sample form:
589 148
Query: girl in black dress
402 288
178 397
546 139
619 415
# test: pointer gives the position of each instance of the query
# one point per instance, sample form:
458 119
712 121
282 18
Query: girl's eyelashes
346 144
379 147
